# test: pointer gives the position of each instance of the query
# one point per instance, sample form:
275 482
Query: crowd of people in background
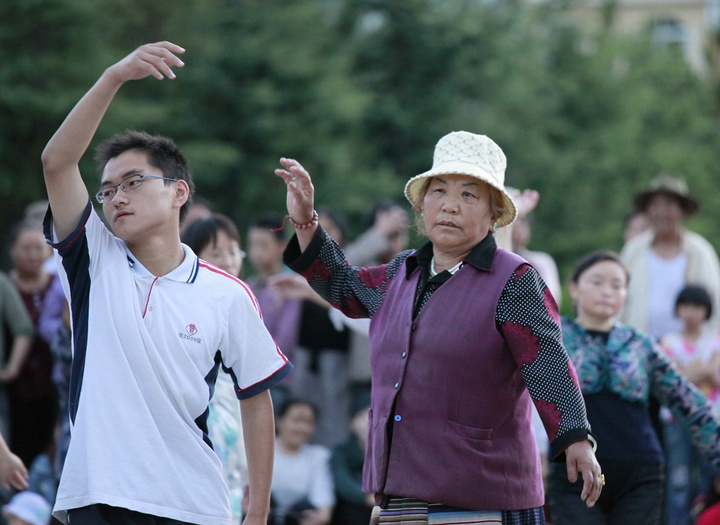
666 280
623 395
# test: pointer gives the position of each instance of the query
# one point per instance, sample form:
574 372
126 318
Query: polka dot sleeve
528 318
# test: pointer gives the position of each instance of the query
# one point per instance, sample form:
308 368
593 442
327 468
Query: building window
669 33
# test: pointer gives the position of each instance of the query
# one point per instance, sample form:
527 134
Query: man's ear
182 193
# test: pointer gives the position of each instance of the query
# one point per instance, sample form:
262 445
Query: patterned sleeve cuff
557 447
299 261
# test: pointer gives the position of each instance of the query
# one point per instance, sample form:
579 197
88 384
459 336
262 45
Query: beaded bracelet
315 219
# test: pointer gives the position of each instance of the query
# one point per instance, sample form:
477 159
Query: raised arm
300 199
66 190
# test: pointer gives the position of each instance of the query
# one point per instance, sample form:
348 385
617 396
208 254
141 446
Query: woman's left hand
300 190
580 458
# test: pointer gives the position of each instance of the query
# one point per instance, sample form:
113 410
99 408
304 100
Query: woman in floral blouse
619 370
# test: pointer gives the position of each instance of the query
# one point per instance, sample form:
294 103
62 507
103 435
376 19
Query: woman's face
599 293
457 212
30 251
296 426
225 254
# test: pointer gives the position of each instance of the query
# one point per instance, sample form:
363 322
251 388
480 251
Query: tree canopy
360 91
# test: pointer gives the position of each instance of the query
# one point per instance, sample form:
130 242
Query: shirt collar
481 256
186 272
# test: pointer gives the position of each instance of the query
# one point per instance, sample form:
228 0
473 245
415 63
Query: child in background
619 369
696 350
696 353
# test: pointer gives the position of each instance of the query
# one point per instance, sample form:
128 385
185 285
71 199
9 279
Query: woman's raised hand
300 191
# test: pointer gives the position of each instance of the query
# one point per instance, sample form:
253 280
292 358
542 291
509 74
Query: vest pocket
474 433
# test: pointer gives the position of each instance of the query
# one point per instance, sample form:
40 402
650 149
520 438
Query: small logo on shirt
192 331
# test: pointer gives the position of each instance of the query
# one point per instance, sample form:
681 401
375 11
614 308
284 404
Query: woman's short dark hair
203 232
271 222
695 294
161 152
17 230
290 402
593 258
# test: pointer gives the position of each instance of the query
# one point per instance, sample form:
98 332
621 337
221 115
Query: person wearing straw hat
464 337
665 258
662 261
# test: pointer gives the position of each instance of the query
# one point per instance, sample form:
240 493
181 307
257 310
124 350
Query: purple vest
462 420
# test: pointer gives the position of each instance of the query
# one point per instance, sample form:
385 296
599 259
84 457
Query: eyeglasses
132 183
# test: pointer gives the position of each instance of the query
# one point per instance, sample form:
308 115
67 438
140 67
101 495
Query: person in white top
303 492
665 258
152 325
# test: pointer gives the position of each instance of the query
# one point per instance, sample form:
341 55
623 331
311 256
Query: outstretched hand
155 60
300 190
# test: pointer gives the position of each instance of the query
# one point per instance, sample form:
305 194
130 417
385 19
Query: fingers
18 482
292 171
296 177
155 60
572 472
592 487
588 483
161 59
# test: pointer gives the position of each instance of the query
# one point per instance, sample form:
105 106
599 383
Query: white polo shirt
146 351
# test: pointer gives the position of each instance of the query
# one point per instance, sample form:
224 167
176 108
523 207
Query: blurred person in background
663 259
620 369
321 357
634 223
27 508
281 315
696 353
201 208
387 234
521 235
33 400
215 239
16 337
302 488
353 505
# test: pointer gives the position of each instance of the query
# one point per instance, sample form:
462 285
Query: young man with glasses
152 325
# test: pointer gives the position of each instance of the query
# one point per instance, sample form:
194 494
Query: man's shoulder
221 284
696 240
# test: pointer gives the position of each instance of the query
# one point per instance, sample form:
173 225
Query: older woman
464 337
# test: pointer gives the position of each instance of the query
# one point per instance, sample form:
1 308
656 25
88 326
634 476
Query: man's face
264 250
664 213
150 208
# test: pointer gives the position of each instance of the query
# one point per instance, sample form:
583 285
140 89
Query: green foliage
360 91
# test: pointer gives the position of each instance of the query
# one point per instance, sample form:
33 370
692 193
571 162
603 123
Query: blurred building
692 26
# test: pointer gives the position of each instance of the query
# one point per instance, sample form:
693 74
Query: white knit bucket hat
464 153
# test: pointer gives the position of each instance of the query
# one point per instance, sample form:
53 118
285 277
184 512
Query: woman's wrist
304 226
